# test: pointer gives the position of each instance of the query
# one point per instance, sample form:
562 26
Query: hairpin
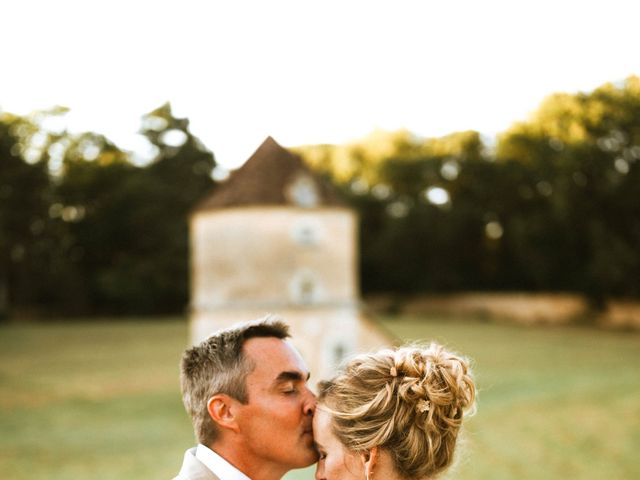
393 372
423 406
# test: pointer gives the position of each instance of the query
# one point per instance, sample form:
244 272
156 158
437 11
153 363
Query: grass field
101 400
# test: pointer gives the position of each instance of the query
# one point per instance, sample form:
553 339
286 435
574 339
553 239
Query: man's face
277 419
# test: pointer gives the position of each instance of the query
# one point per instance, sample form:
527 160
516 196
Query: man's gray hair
218 365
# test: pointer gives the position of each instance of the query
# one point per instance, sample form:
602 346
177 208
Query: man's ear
370 459
222 412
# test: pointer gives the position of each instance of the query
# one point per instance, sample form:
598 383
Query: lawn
101 400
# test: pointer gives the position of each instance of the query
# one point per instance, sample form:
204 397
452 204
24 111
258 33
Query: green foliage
554 206
583 151
24 196
90 231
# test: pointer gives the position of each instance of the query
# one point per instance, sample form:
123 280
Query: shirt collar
218 465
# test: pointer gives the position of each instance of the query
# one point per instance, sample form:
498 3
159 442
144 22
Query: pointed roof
267 178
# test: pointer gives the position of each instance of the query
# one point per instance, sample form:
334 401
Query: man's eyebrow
293 375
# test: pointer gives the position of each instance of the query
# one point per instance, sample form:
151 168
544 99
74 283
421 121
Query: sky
307 72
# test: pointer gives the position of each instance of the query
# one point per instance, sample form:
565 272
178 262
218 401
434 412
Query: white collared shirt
218 465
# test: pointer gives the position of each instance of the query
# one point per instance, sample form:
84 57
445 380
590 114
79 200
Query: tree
24 193
130 238
420 230
556 207
583 150
176 180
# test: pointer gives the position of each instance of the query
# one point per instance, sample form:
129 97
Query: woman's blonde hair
409 401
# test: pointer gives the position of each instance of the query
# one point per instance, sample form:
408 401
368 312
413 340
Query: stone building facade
276 238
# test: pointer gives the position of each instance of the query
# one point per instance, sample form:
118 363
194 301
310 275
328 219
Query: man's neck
218 465
245 460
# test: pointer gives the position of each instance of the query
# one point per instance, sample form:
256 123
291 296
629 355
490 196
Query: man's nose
309 402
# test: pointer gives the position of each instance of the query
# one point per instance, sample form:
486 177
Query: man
246 391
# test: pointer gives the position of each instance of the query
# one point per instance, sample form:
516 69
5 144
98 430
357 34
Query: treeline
86 231
553 205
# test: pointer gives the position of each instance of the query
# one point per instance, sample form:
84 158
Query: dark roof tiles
268 178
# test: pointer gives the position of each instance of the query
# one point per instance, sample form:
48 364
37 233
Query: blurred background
490 151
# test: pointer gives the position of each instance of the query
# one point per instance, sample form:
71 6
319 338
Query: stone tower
275 238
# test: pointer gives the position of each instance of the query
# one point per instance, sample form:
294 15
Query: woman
394 414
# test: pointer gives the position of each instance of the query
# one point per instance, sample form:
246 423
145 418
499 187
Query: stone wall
518 307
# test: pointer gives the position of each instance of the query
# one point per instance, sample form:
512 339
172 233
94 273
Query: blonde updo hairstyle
409 401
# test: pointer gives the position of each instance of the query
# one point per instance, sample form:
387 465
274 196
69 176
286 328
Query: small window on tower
304 288
303 192
307 287
306 232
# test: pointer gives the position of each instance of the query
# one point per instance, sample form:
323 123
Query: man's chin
309 457
308 439
309 461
